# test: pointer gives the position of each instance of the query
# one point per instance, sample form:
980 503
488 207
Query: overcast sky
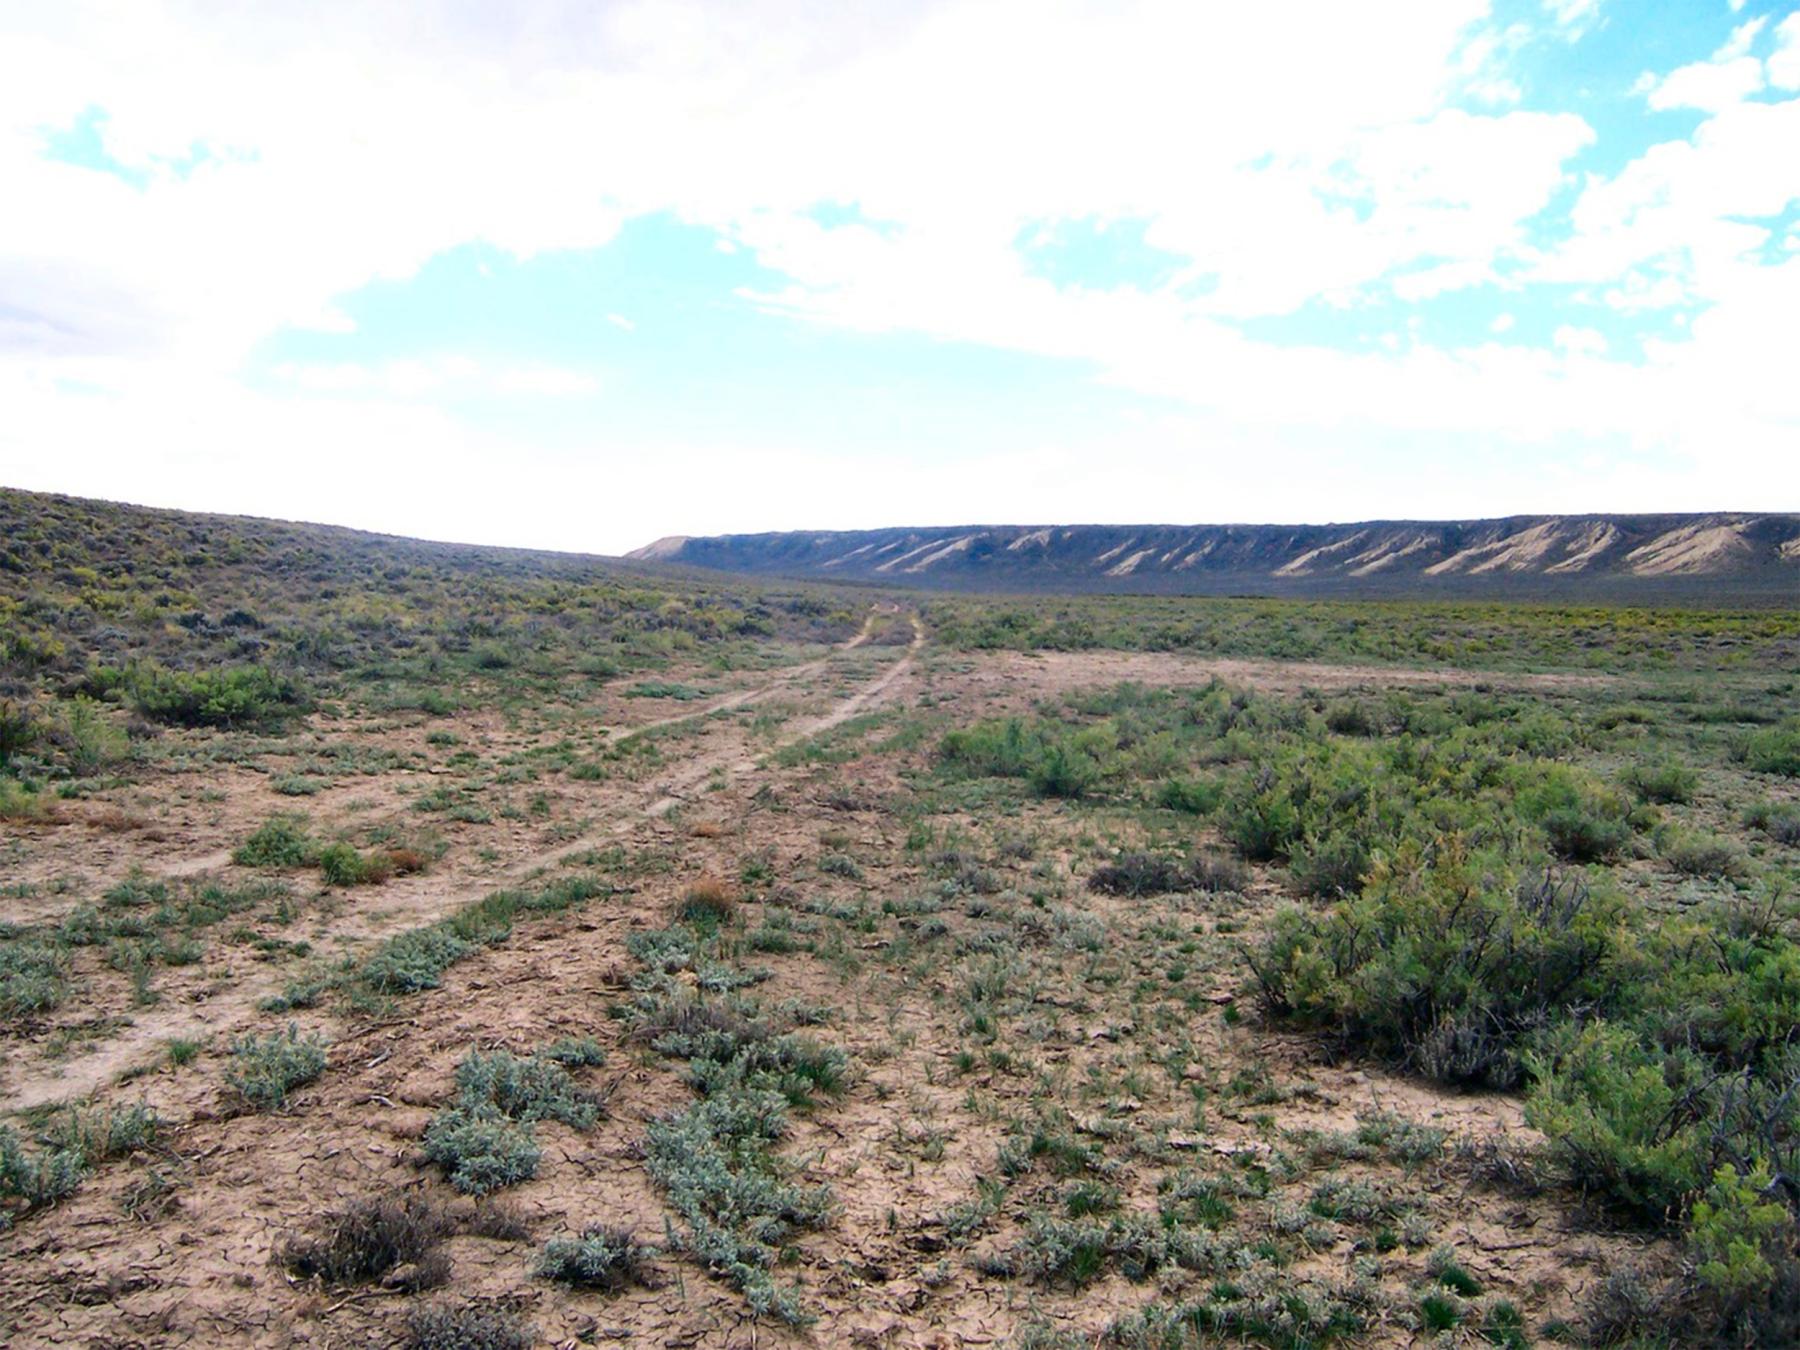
583 275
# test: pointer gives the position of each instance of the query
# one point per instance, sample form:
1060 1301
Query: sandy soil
908 1139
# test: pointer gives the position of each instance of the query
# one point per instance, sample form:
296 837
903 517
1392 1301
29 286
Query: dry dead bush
710 898
393 1240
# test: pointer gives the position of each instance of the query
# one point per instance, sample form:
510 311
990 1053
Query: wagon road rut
28 1085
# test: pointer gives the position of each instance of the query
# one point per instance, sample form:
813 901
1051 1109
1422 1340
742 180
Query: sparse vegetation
485 1141
600 1258
396 1241
265 1069
975 989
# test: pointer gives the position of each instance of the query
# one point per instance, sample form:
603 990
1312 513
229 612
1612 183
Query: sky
583 275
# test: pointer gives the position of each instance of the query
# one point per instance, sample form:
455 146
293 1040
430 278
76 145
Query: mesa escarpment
1751 554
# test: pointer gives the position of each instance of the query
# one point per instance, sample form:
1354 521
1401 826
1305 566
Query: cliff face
1552 555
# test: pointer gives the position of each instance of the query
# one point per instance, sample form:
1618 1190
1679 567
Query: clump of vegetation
715 1163
480 1149
1438 968
1075 1252
1582 819
1773 750
1192 796
18 801
716 1160
32 978
286 841
1141 874
396 1241
1663 781
1054 763
441 1327
265 1069
232 696
1696 853
343 865
18 730
70 1145
605 1258
417 958
280 841
709 900
1260 1309
35 1181
574 1052
484 1141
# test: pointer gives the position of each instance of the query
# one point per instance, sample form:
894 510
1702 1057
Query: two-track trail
413 901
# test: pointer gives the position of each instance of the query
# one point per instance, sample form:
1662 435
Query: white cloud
1784 61
1710 86
1577 16
1742 38
1579 341
1729 76
1686 214
1289 154
451 377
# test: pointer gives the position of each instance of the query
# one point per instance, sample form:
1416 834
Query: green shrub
1694 853
98 1133
714 1163
574 1052
36 1181
1353 719
485 1140
1623 1119
1260 818
31 978
601 1258
1259 1309
841 865
266 1068
1195 796
280 841
1779 820
18 730
1065 771
1438 967
436 1327
1742 1245
1055 763
1664 781
69 1146
524 1089
1583 820
480 1149
17 801
235 696
413 960
1077 1252
417 958
88 741
1331 866
1738 1235
1775 750
1449 1272
342 865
